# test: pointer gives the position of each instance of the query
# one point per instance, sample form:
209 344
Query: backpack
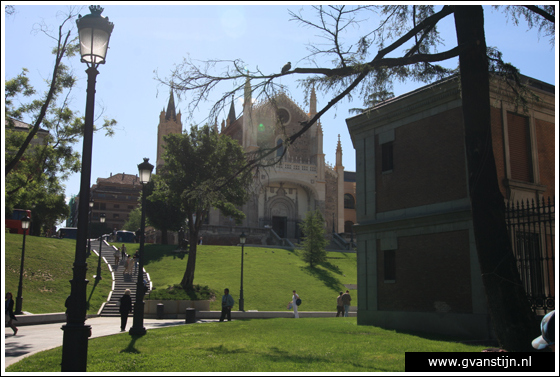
298 302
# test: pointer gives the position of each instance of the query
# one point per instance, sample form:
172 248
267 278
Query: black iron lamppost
25 222
242 239
94 31
89 225
145 173
102 221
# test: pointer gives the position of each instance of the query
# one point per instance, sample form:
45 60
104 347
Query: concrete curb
39 319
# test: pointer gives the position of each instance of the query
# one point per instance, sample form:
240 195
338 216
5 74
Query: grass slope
47 271
266 345
269 275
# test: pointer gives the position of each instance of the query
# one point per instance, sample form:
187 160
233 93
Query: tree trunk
188 277
514 323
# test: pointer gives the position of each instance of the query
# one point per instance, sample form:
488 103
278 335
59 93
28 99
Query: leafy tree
197 166
314 241
358 69
134 218
163 209
34 169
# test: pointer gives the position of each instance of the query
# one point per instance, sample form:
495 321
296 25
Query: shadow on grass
91 293
331 267
330 281
225 351
131 346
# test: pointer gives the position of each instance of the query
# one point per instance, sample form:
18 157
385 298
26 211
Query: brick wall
429 164
432 274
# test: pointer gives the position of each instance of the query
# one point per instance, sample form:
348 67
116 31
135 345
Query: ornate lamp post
98 276
88 240
94 31
25 222
145 173
242 239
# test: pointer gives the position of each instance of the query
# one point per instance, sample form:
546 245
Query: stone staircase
121 281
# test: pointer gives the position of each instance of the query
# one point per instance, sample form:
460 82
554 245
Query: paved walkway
36 338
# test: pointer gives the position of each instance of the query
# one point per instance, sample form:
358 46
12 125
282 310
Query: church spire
313 103
231 115
170 113
338 153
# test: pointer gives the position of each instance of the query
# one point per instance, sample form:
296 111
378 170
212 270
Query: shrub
176 292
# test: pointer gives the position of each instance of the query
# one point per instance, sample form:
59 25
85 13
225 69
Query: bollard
190 315
160 307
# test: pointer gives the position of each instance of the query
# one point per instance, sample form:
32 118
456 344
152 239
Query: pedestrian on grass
227 305
125 307
339 305
295 297
10 317
346 302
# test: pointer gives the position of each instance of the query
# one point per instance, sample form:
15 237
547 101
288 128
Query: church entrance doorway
280 225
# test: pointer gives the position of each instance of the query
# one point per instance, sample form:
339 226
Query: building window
519 148
349 201
280 151
387 156
115 215
389 266
116 206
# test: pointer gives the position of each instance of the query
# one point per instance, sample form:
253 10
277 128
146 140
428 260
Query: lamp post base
138 320
75 347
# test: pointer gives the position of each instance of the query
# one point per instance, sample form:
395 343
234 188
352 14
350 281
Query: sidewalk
35 338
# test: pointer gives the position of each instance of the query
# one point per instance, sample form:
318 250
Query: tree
197 164
32 170
134 218
411 33
163 208
314 241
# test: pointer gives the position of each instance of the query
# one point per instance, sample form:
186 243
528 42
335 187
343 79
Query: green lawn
47 273
265 345
269 275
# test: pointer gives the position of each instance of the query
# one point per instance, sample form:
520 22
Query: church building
300 182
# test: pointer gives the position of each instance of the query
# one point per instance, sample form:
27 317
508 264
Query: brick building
417 261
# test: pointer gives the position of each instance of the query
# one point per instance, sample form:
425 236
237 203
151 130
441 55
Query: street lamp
145 173
24 225
94 31
89 225
101 220
242 239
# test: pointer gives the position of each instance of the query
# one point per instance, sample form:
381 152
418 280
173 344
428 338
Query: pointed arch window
280 151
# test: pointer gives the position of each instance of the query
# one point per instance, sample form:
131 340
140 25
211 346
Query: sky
149 38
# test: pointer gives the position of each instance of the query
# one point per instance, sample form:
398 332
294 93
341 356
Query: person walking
10 317
117 256
136 259
295 297
130 265
227 305
123 251
339 305
125 307
346 302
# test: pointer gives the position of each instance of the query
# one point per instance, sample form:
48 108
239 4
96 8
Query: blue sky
150 37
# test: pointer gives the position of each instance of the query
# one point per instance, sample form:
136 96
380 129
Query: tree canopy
197 165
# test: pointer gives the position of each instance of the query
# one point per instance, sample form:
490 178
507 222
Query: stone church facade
300 182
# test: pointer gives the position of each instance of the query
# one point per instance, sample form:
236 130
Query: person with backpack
295 298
